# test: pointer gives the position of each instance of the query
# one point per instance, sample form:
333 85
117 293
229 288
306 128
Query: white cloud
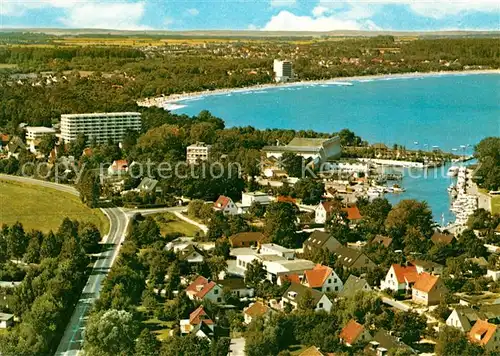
168 21
193 12
283 3
427 8
331 15
84 14
319 10
286 21
122 16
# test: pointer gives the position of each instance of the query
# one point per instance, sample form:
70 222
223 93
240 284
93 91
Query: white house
226 206
296 292
237 287
204 289
399 278
275 259
463 318
322 211
323 279
247 199
277 250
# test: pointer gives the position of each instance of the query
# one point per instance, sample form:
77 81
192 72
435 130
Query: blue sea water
448 111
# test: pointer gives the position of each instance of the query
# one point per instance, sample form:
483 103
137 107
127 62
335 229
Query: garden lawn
169 223
43 208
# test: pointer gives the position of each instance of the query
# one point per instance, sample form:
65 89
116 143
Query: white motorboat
452 171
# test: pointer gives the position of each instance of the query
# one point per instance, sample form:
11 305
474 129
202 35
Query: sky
265 15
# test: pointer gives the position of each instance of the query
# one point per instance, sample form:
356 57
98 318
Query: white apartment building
198 152
99 126
35 133
283 71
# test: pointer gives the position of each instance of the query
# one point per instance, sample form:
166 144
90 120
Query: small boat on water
452 171
397 189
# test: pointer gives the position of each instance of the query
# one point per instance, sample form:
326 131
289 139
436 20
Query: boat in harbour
452 171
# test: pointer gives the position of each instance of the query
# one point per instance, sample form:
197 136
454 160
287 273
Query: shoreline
171 102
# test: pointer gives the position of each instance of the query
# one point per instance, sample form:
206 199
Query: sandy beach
170 102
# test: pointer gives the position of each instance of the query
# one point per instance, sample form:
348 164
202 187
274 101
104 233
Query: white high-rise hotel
283 71
99 126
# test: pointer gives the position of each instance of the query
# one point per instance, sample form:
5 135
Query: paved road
72 339
395 304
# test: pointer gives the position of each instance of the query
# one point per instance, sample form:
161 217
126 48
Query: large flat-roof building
100 127
283 71
317 149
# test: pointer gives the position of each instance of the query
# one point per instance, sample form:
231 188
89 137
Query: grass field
7 66
43 208
169 223
495 205
495 201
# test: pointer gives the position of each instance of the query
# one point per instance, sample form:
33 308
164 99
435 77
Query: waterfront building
100 127
34 134
283 71
317 149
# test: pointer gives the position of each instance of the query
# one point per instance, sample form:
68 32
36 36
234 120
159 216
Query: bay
445 111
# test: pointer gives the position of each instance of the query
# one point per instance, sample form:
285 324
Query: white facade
99 126
331 284
455 321
248 198
273 265
35 133
320 214
226 206
198 152
283 71
277 250
495 275
323 304
317 149
391 282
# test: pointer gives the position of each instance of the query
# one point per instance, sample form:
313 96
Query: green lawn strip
43 208
169 223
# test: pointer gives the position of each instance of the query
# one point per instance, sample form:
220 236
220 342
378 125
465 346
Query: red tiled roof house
354 333
204 289
485 334
226 206
428 289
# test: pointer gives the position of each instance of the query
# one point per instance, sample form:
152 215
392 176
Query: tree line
53 276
